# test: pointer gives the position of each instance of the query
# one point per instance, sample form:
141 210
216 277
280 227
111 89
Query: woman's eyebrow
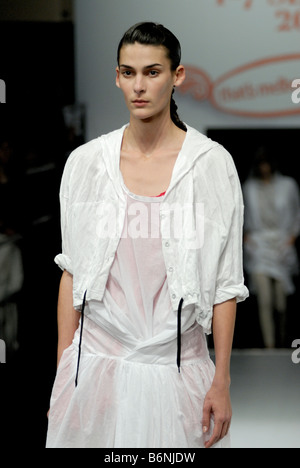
153 65
145 68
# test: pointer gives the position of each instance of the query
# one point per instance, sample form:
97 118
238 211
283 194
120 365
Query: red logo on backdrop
258 89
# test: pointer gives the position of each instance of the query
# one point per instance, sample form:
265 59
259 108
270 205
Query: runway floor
265 394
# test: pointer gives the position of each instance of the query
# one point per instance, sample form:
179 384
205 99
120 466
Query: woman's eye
127 73
153 73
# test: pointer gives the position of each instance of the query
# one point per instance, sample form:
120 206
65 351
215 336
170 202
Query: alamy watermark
296 353
2 352
2 92
170 221
296 93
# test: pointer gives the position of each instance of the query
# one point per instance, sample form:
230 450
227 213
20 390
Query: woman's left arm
217 402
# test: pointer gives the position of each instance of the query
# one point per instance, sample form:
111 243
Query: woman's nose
139 85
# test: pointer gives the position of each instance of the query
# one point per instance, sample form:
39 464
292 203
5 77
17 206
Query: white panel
217 37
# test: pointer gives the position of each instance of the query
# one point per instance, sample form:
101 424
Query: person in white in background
272 225
138 373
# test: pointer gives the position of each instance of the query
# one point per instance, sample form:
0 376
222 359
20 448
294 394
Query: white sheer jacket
201 223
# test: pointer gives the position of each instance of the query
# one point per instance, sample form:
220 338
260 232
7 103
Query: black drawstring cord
179 334
80 338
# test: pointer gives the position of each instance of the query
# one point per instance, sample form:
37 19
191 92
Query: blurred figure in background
10 199
272 225
11 265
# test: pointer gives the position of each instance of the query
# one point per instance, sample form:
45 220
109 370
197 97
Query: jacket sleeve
64 259
230 273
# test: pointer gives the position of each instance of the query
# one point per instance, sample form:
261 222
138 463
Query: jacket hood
194 147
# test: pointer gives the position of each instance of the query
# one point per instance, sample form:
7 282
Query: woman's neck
146 136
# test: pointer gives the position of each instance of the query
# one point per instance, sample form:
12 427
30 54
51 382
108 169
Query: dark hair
263 156
156 34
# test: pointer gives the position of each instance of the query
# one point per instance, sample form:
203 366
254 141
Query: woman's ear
118 77
179 75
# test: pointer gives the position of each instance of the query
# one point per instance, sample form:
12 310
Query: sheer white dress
129 392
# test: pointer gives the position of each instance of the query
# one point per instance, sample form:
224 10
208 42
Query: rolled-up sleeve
230 273
64 259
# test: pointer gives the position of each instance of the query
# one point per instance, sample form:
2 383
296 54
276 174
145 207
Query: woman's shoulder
82 153
209 154
94 149
286 181
205 144
90 162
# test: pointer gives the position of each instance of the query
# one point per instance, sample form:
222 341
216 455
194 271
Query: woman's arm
217 402
67 316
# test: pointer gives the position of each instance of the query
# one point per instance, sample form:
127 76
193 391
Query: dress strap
179 334
80 339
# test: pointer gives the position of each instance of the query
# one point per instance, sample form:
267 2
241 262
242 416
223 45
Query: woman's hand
217 406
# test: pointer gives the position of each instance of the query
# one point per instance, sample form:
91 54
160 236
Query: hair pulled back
157 35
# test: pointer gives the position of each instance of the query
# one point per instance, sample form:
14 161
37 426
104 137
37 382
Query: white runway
266 399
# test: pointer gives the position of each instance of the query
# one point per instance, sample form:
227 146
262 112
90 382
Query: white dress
129 392
272 217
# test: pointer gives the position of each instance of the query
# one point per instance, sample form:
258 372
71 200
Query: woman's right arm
67 317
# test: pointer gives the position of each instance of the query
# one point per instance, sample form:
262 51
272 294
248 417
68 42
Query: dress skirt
130 394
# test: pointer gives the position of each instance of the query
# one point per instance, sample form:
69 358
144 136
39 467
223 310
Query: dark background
37 65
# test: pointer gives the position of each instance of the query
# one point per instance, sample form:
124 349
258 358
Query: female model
272 225
152 219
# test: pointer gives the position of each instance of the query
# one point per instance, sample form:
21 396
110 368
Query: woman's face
265 170
144 75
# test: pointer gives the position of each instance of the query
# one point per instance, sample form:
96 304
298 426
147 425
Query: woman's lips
140 103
